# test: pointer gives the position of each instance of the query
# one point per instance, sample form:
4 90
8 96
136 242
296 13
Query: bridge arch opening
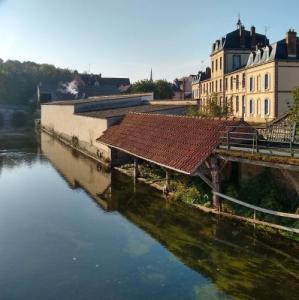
18 119
1 120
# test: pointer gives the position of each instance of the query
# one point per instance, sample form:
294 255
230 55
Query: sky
126 38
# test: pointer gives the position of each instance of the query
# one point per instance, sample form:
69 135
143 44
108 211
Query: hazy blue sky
128 37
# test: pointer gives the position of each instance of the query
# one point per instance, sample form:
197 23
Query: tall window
220 85
237 103
243 80
266 107
237 82
251 106
258 106
226 84
212 66
216 64
236 61
212 86
243 105
220 63
258 82
266 81
251 84
231 82
216 86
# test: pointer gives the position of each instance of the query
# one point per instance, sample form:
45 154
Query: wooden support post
215 172
167 181
136 170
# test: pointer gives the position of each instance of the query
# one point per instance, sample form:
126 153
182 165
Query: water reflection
78 171
233 260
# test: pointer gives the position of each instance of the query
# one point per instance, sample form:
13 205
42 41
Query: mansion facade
253 78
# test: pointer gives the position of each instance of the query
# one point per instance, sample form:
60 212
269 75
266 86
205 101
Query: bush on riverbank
262 191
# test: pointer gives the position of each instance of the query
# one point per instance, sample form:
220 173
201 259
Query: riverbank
157 182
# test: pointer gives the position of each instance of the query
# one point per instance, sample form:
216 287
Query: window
212 86
266 107
258 107
237 103
220 85
220 63
251 106
231 82
251 84
266 81
258 82
226 84
243 105
216 86
216 64
243 80
212 66
236 61
237 82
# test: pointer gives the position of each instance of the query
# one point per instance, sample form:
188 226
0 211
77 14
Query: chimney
252 37
208 72
291 41
242 36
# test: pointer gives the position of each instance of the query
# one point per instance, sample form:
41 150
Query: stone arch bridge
7 113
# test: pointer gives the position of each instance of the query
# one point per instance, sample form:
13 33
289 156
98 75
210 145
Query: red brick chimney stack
291 41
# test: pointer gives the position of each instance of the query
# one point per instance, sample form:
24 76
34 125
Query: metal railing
263 210
279 141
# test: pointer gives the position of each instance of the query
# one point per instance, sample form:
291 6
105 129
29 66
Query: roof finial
151 76
239 23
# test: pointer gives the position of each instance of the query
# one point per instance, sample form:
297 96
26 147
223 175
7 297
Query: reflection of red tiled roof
176 142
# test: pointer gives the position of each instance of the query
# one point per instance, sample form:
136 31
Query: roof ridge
188 117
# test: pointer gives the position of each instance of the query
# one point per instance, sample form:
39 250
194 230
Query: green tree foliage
295 109
18 81
161 88
213 108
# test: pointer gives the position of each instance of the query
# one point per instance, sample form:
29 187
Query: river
71 230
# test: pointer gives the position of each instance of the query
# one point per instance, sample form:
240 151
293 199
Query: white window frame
251 107
267 100
268 81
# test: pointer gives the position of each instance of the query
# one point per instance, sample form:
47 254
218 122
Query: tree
161 88
18 81
295 108
164 89
213 108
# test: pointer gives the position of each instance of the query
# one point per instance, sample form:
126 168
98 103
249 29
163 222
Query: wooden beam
136 169
215 172
204 178
259 163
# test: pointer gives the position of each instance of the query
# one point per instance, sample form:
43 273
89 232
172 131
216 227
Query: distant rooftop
97 99
146 108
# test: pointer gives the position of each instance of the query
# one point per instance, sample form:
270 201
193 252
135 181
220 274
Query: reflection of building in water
210 247
77 170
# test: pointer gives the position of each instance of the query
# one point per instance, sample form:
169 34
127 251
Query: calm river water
70 230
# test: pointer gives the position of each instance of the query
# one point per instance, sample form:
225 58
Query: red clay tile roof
175 142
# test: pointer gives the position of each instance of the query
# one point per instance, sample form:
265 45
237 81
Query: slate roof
232 40
275 51
146 108
179 143
98 98
91 79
